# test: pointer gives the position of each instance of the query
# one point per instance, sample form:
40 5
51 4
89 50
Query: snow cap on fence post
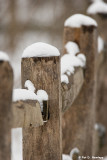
78 20
40 49
82 30
98 11
4 56
6 85
73 26
41 65
97 7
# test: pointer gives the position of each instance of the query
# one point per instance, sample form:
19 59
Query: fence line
68 116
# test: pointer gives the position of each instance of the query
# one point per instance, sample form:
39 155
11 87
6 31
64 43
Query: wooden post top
40 49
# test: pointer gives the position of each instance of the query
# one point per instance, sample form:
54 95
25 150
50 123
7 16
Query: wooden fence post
44 142
26 113
6 85
78 120
101 102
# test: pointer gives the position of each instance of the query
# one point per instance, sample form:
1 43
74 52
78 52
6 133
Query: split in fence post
78 121
6 85
45 111
44 142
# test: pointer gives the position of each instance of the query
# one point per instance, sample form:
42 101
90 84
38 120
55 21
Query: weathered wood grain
6 85
101 19
70 91
26 114
78 120
101 104
44 142
100 60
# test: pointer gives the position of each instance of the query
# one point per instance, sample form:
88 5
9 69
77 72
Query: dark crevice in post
89 29
103 16
45 111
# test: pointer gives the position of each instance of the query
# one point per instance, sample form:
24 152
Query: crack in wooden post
45 111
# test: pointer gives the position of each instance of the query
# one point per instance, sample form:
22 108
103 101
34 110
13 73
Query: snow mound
3 56
30 86
82 58
97 7
79 20
72 48
69 61
42 96
40 49
64 78
74 151
70 157
23 94
66 157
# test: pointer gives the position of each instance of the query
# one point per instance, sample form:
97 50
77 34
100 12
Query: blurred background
23 22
